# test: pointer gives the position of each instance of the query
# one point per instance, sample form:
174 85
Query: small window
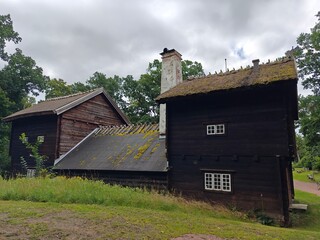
217 182
31 172
217 129
40 139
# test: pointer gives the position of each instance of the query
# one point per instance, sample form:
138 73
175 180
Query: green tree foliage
309 121
56 88
191 69
112 85
7 34
19 78
34 153
307 55
142 107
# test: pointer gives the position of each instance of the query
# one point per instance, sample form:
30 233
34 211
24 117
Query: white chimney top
171 75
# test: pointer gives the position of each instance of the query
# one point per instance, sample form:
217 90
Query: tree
56 88
141 94
112 85
309 121
191 69
307 55
19 79
7 34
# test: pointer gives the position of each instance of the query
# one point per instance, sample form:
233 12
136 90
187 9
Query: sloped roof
280 70
120 148
59 105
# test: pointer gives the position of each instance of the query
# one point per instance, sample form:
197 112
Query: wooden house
60 123
230 136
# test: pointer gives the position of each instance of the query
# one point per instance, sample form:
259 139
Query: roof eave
12 118
162 100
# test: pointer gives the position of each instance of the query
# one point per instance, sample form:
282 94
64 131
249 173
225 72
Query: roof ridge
279 60
71 95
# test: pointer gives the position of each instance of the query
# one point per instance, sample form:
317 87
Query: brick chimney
171 75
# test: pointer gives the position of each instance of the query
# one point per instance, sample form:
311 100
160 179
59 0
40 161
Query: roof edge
44 113
88 96
78 144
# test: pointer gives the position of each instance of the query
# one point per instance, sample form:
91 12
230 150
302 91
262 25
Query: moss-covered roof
281 70
118 148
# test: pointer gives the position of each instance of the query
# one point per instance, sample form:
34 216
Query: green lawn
302 175
123 213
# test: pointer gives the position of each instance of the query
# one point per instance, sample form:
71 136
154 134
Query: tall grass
84 191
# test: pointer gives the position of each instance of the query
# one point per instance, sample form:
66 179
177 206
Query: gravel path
307 187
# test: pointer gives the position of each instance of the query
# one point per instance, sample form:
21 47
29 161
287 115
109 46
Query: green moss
155 148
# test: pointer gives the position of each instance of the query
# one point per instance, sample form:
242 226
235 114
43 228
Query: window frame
218 182
31 172
216 129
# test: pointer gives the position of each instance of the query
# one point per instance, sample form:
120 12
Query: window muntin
216 129
217 182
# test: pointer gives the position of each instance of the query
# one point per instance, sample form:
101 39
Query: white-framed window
217 182
31 172
216 129
40 139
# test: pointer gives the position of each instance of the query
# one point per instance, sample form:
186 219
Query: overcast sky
73 39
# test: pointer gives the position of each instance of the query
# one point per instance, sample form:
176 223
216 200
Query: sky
73 39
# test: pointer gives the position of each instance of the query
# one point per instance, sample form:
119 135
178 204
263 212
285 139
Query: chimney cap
166 50
255 63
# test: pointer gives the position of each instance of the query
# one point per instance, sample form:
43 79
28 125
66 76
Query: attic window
217 182
216 129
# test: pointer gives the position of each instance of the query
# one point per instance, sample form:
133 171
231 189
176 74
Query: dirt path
307 187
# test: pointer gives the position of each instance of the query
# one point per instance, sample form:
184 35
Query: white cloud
73 39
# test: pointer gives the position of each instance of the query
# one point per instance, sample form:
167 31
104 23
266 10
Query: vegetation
307 55
34 150
20 79
97 210
135 97
303 174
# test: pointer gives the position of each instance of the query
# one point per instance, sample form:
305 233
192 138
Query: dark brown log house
230 136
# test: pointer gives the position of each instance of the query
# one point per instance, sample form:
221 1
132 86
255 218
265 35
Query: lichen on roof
279 70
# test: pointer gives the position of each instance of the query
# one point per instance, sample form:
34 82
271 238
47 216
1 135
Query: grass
302 175
62 208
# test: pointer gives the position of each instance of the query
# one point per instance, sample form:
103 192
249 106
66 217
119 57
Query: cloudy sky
73 39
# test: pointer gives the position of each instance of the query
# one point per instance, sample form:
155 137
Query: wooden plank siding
33 127
256 148
150 180
78 122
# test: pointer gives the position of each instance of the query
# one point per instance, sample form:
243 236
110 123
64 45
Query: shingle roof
59 105
280 70
121 148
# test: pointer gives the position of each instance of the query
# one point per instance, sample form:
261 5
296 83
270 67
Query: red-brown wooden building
61 123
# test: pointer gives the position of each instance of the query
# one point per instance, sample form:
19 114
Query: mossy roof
118 148
280 70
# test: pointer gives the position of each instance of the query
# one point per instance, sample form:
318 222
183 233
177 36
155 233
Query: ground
307 187
54 221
